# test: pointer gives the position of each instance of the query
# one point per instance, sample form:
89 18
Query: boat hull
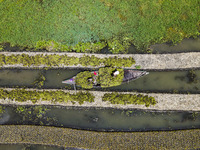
129 75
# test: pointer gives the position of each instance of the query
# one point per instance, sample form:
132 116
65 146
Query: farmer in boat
95 78
115 73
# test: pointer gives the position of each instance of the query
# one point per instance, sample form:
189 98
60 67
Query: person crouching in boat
115 73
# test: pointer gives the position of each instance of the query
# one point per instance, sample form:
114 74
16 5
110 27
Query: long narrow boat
129 75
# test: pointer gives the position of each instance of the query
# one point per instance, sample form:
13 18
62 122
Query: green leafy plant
57 60
22 95
82 79
39 82
139 99
107 79
2 110
84 26
119 45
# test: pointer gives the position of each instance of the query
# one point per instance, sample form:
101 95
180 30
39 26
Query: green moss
82 79
107 79
116 98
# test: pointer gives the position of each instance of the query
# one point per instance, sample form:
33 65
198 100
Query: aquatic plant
107 79
89 47
143 22
82 79
119 45
39 82
22 95
35 114
137 99
192 77
60 60
2 110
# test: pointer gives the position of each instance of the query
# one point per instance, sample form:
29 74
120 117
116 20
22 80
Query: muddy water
155 81
101 119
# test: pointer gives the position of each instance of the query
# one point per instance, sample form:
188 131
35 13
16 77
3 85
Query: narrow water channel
100 119
186 45
156 81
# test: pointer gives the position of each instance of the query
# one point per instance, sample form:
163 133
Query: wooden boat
129 75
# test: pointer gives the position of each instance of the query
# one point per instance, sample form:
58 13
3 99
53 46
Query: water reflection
103 119
156 81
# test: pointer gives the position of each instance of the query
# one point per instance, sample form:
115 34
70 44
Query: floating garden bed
22 95
137 99
63 60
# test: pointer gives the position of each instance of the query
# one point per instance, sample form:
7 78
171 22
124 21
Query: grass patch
82 25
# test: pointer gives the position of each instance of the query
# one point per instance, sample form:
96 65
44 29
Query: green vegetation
165 140
62 24
107 79
34 114
2 110
53 46
116 98
104 78
22 95
192 77
39 82
60 60
82 79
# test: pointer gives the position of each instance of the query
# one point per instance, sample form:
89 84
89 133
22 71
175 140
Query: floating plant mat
100 119
174 81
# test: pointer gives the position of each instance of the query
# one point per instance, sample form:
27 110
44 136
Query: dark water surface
155 81
186 45
100 119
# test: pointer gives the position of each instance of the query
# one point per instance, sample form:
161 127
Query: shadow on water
175 81
105 119
186 45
